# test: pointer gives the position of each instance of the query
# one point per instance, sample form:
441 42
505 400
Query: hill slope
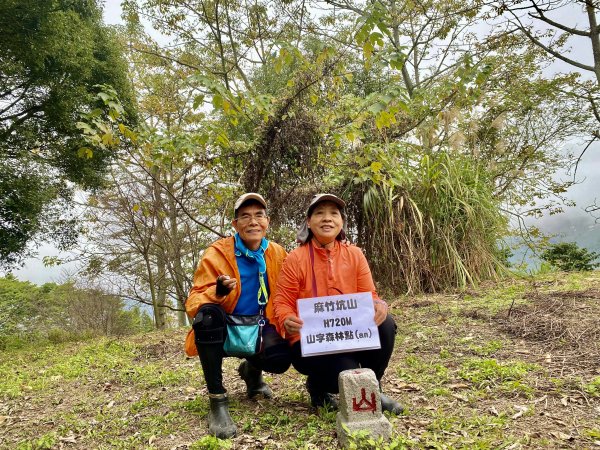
513 365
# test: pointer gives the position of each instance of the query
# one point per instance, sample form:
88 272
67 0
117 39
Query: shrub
429 225
568 256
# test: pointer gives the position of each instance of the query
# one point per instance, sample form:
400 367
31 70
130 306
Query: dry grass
565 323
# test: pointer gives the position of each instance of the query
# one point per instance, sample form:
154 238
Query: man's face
251 224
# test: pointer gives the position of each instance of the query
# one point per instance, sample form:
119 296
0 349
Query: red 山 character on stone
364 404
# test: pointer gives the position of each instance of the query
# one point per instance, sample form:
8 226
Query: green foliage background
53 55
443 138
31 314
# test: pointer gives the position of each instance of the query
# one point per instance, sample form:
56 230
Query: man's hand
381 310
225 284
293 324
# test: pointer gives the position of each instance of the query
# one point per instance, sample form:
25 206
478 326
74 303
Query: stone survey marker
360 406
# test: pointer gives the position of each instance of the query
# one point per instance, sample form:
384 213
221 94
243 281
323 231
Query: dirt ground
512 365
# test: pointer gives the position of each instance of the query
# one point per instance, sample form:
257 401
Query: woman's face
325 222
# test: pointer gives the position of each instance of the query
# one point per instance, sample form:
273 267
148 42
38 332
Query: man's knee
277 360
209 325
277 356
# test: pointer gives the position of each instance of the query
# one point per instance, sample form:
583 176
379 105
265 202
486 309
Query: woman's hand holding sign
381 310
293 324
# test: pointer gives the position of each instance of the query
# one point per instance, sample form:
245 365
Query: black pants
323 370
210 331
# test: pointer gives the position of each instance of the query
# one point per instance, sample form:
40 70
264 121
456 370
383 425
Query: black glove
221 288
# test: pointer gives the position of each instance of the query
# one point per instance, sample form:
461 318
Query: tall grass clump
430 224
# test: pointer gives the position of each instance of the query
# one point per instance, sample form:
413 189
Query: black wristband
221 288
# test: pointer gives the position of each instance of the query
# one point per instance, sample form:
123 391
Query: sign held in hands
337 324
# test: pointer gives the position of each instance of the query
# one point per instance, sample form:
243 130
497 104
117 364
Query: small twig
511 307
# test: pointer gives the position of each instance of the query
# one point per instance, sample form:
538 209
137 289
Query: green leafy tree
16 300
147 228
434 135
556 27
53 53
568 256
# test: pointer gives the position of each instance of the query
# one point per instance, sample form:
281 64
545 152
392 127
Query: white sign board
338 323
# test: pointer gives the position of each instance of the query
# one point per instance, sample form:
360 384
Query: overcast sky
112 12
574 222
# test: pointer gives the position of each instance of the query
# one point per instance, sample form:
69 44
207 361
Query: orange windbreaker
219 259
341 270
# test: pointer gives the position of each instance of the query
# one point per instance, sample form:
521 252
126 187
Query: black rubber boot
391 405
219 420
255 384
321 399
209 327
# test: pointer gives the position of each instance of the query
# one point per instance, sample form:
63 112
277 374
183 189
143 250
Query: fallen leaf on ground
71 439
458 386
462 398
401 387
521 410
561 435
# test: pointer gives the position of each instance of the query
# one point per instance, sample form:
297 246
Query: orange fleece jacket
219 259
341 270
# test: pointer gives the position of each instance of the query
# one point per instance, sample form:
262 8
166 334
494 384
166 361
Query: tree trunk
177 275
160 287
595 37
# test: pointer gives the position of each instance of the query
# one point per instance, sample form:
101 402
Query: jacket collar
324 252
226 247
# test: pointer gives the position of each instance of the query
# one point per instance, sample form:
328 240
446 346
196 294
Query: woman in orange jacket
325 264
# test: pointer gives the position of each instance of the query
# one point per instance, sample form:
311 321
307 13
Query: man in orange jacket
235 276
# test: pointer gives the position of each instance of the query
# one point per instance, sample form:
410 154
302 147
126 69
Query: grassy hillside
514 365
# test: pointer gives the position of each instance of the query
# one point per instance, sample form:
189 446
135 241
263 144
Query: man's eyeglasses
244 218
